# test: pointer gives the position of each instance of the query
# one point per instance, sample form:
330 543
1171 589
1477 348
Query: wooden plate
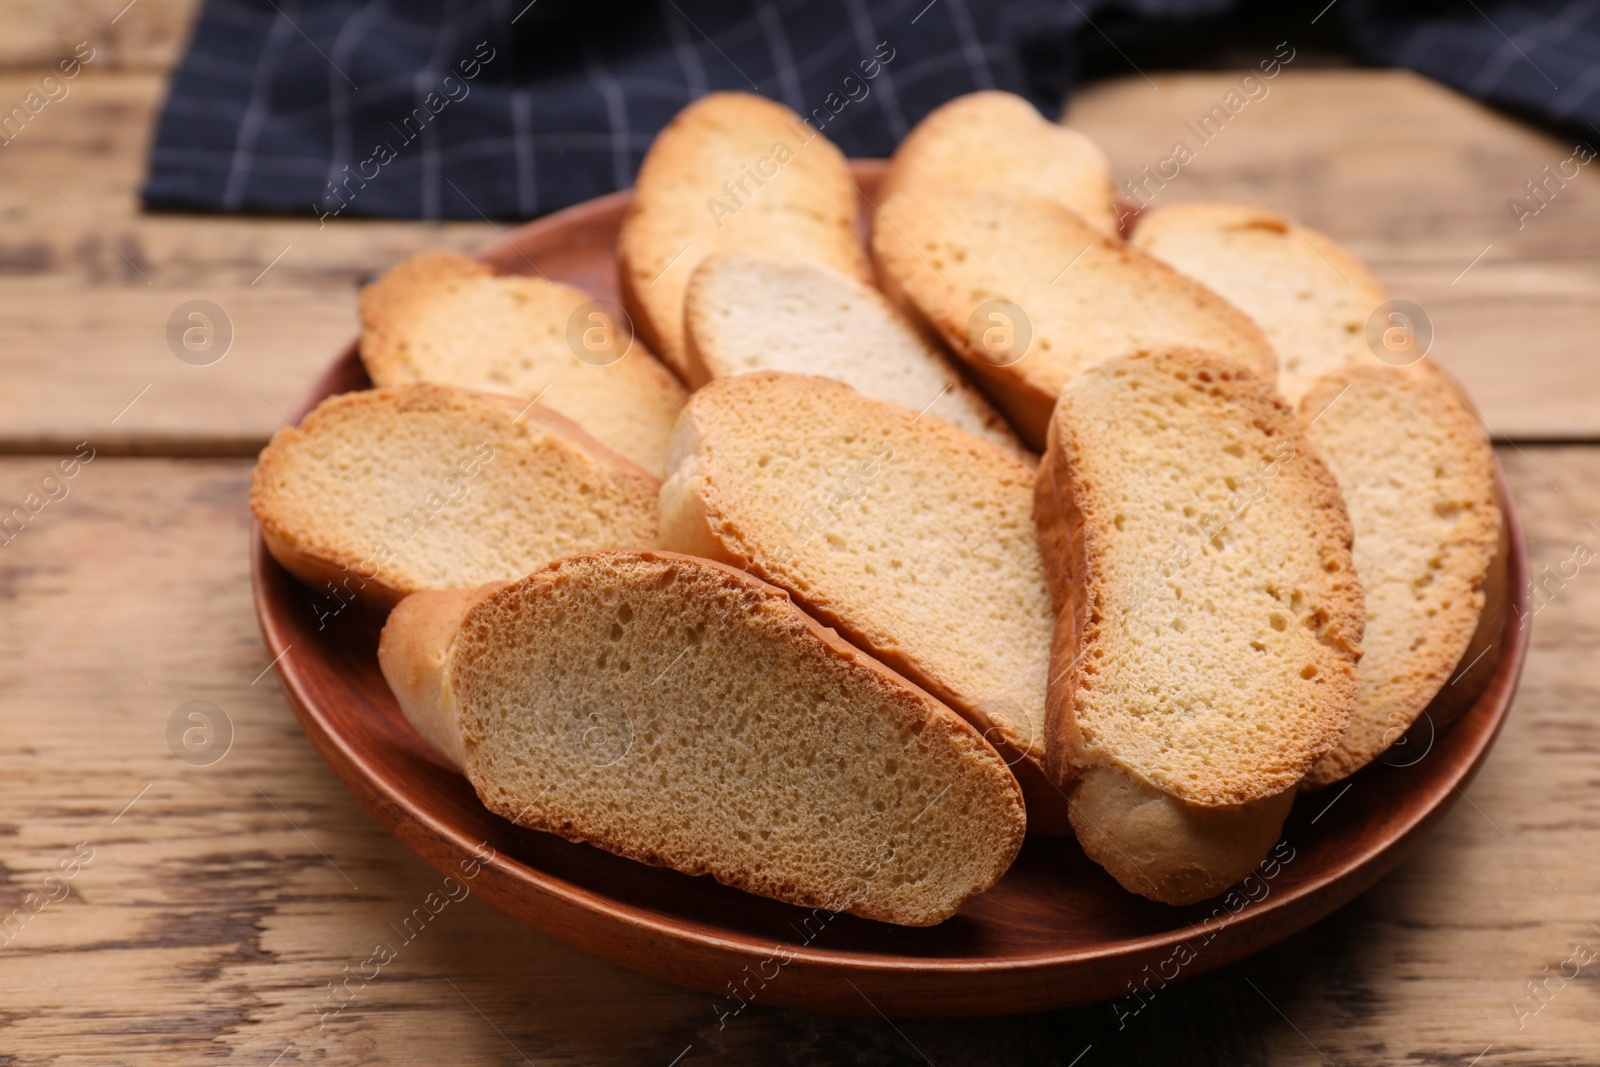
1056 931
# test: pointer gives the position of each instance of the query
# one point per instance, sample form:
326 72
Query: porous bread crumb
746 313
913 539
444 318
732 171
998 140
389 491
1417 473
1074 295
683 714
1200 551
1311 297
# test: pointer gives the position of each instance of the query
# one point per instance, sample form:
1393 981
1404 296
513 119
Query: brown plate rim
1299 905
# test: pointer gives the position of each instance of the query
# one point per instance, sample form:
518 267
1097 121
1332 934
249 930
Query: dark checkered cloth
509 109
1538 58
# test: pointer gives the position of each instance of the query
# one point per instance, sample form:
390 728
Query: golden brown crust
945 254
914 711
744 313
445 318
316 555
1161 848
993 139
384 306
1482 654
648 324
704 520
353 576
1078 535
703 513
1313 298
700 366
1354 409
1061 544
1047 803
724 541
1024 406
1238 216
730 171
413 650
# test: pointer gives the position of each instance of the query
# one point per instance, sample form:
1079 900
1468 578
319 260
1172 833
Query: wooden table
209 907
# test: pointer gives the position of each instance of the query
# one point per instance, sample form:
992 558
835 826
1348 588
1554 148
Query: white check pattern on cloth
279 103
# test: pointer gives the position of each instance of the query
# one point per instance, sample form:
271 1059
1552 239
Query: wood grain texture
1411 176
90 282
144 35
219 905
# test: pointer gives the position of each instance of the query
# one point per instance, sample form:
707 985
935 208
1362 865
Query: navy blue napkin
510 108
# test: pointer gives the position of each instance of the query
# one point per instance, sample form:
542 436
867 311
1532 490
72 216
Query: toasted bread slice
913 539
1417 473
1029 295
998 140
1162 848
413 651
732 171
682 713
1311 297
746 313
1199 551
389 491
444 318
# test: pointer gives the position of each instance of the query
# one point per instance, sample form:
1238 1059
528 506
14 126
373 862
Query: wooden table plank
217 907
142 35
1412 176
90 283
220 903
